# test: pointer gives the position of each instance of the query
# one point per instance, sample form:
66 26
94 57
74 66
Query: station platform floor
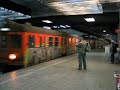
62 74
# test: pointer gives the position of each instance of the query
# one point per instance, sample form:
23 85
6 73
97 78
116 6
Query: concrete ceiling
106 21
42 8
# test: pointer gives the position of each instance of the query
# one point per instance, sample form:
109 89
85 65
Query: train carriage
27 45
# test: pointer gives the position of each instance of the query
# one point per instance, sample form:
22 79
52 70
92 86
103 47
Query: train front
10 48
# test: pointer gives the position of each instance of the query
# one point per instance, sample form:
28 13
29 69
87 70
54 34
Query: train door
64 45
56 41
69 47
44 42
31 41
50 41
73 45
3 46
40 41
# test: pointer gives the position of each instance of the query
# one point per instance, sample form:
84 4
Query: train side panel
36 54
30 45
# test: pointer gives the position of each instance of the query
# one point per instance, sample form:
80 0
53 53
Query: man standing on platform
82 48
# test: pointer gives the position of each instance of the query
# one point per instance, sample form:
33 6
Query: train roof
17 27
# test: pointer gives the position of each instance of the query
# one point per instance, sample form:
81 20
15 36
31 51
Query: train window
31 41
56 41
50 41
64 41
15 41
3 40
70 40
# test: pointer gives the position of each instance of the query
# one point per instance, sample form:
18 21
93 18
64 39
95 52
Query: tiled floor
62 74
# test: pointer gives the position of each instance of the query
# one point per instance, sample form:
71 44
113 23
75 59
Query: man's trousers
82 60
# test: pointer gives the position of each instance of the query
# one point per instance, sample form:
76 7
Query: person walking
113 49
82 48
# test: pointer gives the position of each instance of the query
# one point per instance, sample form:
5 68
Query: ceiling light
62 26
54 26
46 27
47 21
107 34
104 30
67 26
13 11
1 8
5 29
90 19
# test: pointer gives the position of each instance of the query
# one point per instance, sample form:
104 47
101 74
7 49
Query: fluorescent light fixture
47 21
62 26
13 11
104 30
5 29
67 26
90 19
46 27
107 34
54 26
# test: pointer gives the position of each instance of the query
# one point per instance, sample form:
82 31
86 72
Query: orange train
28 45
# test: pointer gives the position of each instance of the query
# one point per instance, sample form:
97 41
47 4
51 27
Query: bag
87 48
82 51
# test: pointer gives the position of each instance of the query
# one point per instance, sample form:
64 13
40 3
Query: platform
62 74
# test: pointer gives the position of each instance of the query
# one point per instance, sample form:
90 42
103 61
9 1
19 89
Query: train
28 45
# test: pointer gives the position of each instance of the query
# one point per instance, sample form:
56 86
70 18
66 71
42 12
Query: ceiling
42 7
77 22
107 19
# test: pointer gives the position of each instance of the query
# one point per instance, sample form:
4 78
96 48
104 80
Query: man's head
81 38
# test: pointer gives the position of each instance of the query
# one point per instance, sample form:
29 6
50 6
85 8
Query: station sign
117 76
117 30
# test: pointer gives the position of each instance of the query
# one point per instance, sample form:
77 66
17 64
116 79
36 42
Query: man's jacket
83 47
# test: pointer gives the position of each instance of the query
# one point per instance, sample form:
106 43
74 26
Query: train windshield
15 41
10 41
3 40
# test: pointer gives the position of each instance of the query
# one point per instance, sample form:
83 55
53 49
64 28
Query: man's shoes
85 68
111 62
79 69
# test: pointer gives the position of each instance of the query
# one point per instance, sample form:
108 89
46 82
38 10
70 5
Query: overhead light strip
104 30
5 29
90 19
47 21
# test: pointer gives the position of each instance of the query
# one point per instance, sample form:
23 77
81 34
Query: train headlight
12 56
